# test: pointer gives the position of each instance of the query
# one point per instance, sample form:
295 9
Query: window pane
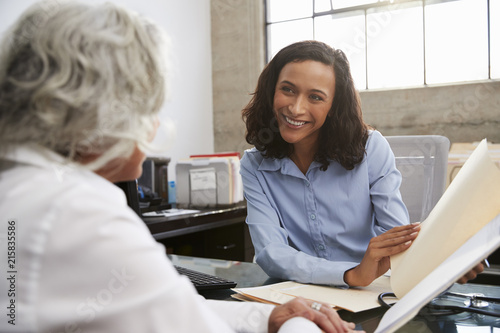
322 6
286 33
337 4
495 38
281 10
395 47
348 34
456 43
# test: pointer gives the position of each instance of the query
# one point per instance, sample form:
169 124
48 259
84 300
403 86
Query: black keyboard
203 281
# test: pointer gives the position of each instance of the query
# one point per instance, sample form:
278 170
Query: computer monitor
130 190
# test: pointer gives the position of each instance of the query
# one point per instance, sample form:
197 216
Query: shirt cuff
299 325
248 317
332 273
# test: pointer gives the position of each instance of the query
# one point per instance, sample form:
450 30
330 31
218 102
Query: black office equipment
154 181
203 281
130 190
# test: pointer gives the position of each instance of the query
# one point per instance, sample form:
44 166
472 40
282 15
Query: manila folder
471 201
479 246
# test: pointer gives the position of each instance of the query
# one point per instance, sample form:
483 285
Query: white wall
189 103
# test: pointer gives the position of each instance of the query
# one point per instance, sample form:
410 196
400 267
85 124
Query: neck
302 157
109 171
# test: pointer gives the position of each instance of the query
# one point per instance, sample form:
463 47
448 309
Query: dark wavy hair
342 137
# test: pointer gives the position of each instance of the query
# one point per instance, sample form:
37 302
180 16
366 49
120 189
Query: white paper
171 212
202 179
351 299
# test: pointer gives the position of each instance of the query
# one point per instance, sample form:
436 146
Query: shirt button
313 217
308 184
321 247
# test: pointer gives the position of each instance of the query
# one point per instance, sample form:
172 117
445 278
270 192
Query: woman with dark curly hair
321 186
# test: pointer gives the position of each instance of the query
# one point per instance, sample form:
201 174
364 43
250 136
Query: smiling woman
344 133
303 97
321 186
322 191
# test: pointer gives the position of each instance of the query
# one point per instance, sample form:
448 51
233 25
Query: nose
297 106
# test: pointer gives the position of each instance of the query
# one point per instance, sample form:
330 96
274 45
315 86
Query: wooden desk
212 233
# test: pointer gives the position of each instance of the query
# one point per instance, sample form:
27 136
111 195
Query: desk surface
250 275
165 227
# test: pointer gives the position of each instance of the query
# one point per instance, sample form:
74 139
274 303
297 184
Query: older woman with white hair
80 89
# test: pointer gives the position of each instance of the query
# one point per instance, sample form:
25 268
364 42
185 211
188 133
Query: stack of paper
209 180
352 299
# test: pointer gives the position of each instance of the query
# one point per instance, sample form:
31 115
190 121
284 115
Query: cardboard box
460 152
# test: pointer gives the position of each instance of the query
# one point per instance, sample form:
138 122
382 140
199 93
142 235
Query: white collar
34 154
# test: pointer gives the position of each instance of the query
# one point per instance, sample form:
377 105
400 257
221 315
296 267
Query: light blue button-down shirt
312 228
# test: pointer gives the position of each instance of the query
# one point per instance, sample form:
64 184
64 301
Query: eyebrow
313 90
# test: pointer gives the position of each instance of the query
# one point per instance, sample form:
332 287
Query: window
494 39
395 51
458 49
394 43
346 32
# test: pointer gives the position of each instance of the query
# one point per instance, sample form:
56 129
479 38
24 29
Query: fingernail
413 233
415 223
408 243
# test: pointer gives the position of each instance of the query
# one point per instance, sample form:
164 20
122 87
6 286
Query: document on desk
471 201
352 299
171 212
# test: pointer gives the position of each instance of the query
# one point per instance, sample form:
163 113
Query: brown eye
316 97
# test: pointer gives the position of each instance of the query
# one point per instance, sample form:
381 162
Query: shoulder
101 222
252 158
379 154
376 143
254 161
91 203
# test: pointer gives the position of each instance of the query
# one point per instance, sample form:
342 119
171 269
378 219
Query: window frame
386 4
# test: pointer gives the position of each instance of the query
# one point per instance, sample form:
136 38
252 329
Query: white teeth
295 123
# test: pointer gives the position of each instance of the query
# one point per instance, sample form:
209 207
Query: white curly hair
82 80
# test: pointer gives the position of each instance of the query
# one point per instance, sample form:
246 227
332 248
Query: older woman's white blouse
86 263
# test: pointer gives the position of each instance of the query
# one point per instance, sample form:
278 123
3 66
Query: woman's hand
326 318
472 274
376 260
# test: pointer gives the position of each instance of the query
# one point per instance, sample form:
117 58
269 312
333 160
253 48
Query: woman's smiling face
302 99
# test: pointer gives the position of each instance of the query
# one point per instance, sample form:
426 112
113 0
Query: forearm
286 263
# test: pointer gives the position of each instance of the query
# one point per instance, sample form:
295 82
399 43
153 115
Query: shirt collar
285 165
36 155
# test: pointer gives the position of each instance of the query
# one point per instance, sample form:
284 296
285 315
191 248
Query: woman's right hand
326 318
376 260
